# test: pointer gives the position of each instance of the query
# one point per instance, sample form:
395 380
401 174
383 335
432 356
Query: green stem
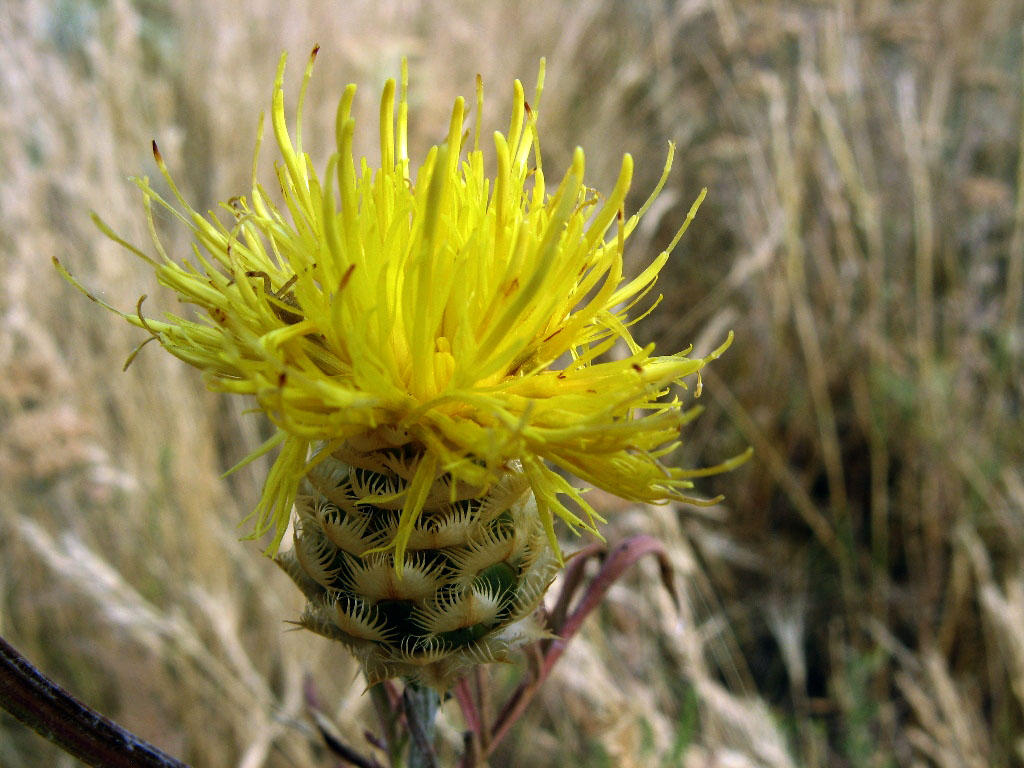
421 705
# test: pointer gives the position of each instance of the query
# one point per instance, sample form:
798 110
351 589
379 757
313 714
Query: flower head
429 303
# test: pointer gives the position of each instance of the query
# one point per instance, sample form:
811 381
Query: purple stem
80 731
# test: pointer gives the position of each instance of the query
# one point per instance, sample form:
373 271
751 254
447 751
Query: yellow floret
433 305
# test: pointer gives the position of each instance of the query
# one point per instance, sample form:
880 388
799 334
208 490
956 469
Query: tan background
857 600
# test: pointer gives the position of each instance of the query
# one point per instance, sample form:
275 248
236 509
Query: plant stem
421 705
567 623
387 714
56 715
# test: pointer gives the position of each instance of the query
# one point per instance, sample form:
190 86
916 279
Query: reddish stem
483 704
469 711
571 583
615 564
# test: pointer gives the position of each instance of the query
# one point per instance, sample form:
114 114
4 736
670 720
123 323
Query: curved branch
56 715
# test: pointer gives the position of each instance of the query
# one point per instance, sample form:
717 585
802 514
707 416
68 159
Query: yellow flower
447 332
470 313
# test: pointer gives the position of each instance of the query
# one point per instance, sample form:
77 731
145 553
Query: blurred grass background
858 599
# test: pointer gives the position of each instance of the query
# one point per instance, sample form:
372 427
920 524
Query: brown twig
58 716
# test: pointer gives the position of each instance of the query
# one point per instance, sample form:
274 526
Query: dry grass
860 601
